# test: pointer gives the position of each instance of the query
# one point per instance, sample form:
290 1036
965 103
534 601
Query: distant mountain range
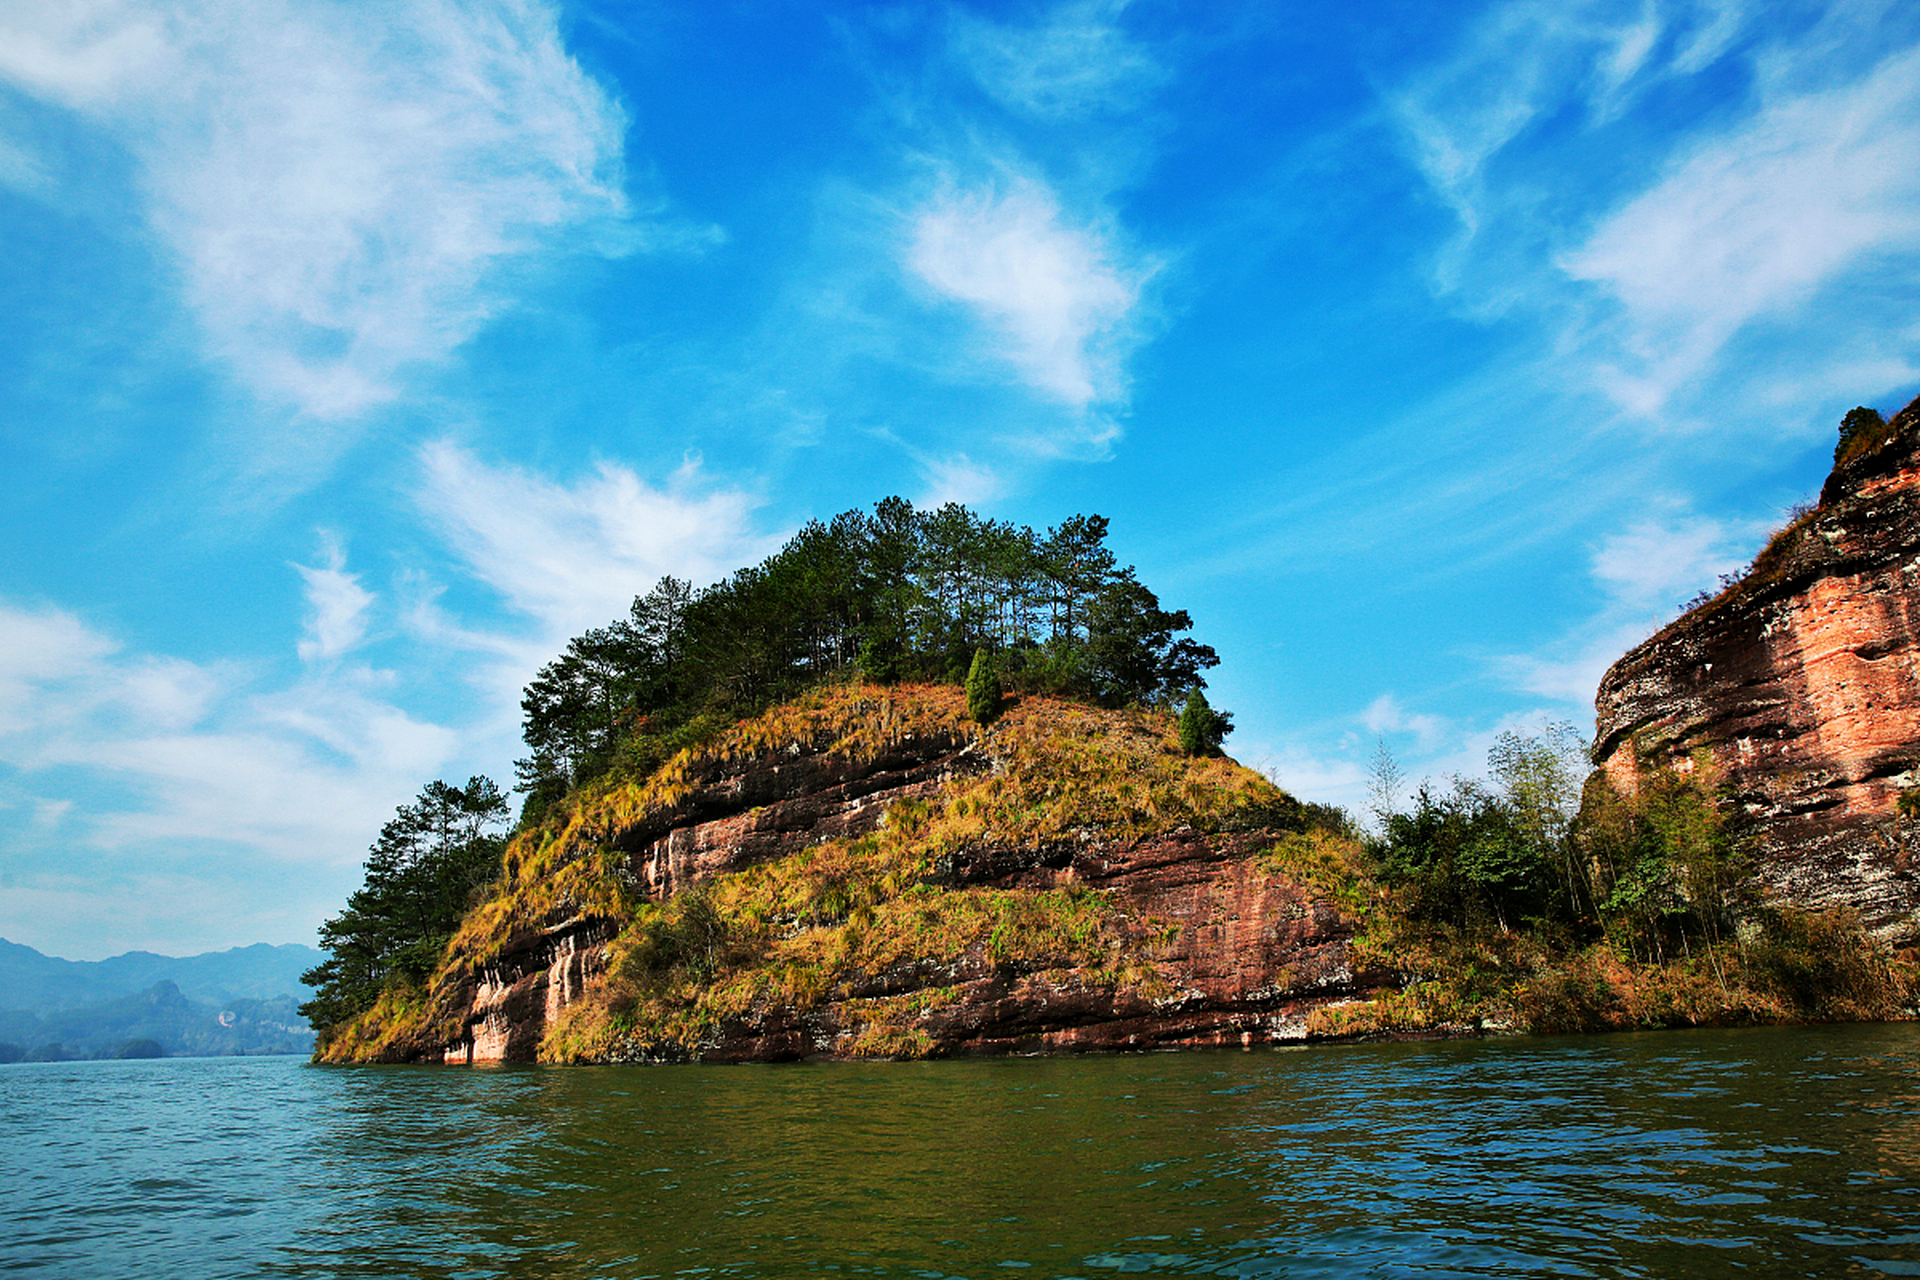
240 1001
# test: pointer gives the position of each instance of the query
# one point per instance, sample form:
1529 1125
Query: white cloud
22 170
336 606
126 758
1306 776
958 478
1662 244
1755 222
1057 297
57 675
1076 61
1519 65
1655 563
1385 715
574 556
336 181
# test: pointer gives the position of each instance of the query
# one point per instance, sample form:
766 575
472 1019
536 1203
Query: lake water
1775 1152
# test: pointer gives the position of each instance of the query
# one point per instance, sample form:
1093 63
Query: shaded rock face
1244 954
1802 685
509 1006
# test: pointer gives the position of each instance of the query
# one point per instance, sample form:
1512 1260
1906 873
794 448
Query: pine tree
983 688
1202 729
1864 425
421 873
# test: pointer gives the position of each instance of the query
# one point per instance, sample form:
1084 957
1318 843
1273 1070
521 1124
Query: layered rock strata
1244 956
1241 954
1800 684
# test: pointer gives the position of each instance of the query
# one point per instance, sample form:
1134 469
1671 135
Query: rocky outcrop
1801 685
1209 946
768 806
1242 956
731 814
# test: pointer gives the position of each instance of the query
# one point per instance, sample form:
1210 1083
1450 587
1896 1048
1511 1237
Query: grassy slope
797 931
801 931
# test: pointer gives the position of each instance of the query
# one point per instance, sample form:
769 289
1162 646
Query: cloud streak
1075 62
337 183
125 758
1644 572
336 607
1662 244
1756 222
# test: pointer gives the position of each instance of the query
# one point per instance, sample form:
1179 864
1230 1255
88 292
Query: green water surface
1772 1152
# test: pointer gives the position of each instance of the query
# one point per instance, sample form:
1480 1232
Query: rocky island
785 818
869 873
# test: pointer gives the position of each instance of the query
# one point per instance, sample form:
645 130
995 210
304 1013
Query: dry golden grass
389 1032
802 930
811 929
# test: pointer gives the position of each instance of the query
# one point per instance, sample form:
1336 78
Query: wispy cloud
1074 62
1385 715
58 676
1644 572
570 556
197 768
1055 297
1520 65
336 605
1662 244
1007 219
336 181
1756 222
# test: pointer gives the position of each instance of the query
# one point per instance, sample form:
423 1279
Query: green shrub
1861 432
1202 729
983 688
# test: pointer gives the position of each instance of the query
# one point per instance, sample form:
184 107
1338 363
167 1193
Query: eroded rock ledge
1242 953
1802 685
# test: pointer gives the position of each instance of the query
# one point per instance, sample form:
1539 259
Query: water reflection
1788 1152
1634 1155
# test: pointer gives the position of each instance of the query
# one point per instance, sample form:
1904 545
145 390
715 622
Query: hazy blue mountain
39 984
157 1021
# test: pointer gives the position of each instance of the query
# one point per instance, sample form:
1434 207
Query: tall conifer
983 687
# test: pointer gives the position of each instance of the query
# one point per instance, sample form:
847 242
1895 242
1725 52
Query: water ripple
1767 1153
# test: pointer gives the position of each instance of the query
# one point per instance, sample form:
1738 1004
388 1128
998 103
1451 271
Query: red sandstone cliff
1121 895
1802 685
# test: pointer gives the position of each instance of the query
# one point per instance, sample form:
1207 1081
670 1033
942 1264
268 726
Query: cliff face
877 877
1801 684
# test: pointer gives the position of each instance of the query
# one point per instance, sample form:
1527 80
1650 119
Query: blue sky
357 356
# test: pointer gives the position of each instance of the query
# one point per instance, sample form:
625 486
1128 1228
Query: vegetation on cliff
1523 903
615 723
821 925
422 875
1864 433
1540 900
1541 903
898 594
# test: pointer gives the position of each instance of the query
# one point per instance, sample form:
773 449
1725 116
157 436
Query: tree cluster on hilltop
898 594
